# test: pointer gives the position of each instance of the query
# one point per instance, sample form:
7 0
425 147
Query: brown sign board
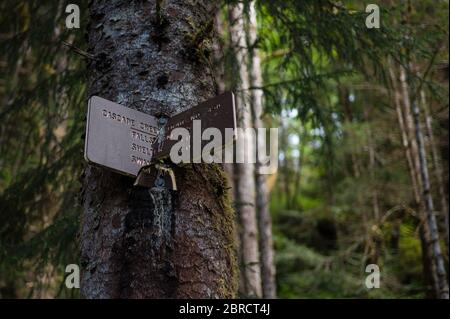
125 140
218 112
118 137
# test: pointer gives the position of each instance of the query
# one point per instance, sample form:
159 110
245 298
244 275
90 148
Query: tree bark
429 205
376 240
262 196
404 133
401 99
438 172
244 172
421 158
155 243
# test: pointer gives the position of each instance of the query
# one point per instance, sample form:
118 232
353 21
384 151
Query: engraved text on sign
119 137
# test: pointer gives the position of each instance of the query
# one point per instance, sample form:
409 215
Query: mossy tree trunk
155 243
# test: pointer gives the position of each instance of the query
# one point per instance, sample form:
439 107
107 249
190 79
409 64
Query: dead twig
78 50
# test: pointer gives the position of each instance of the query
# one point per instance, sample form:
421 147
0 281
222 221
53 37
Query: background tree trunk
371 146
438 172
402 105
429 206
433 245
244 172
262 196
155 243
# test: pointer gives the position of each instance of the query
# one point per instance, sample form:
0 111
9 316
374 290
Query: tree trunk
298 174
220 70
404 134
262 196
244 172
155 243
438 172
405 124
429 206
376 240
430 219
285 164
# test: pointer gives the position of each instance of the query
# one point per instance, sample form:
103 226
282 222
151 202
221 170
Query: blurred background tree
42 93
